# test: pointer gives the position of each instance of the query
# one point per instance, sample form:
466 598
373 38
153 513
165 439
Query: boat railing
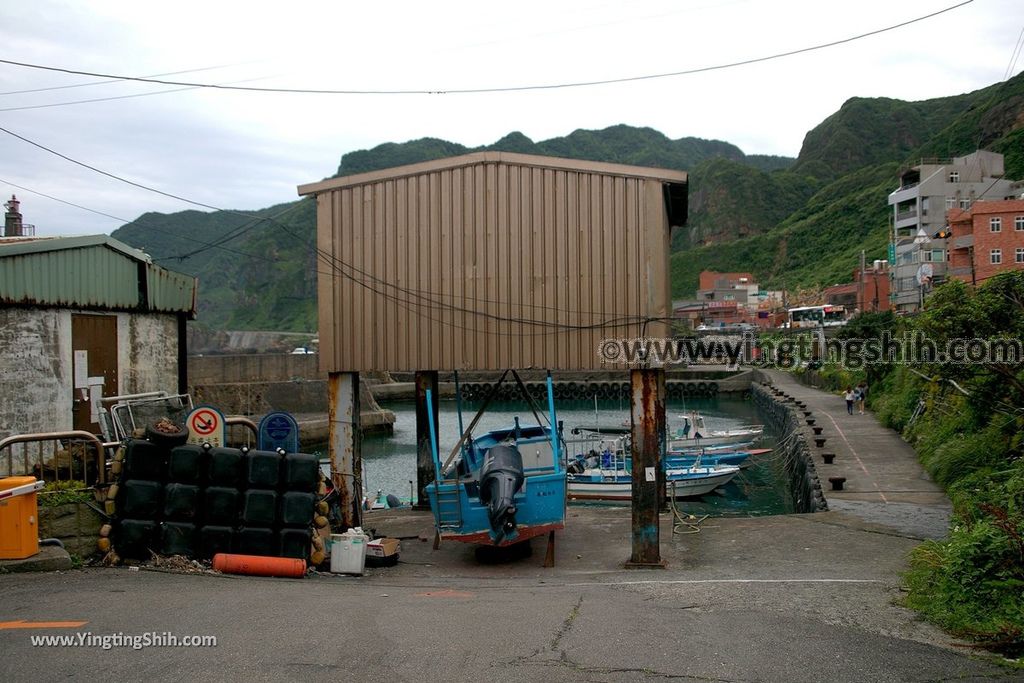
74 455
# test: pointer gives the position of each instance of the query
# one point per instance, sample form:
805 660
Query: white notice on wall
95 394
81 369
649 474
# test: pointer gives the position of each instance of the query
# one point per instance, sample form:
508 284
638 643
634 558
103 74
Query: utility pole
861 298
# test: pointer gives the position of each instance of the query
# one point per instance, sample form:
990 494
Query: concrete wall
804 484
36 364
260 367
35 370
147 353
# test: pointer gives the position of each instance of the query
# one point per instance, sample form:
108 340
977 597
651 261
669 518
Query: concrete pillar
424 380
345 444
645 405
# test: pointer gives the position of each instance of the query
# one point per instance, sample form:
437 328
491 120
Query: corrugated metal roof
531 160
93 271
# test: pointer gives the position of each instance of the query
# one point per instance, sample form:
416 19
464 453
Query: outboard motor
501 477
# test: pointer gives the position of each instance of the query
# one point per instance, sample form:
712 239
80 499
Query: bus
817 316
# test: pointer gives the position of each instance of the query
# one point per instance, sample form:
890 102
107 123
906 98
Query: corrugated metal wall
91 277
489 266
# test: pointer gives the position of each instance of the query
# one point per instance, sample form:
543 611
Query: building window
935 255
950 203
995 257
995 224
1018 223
965 204
954 176
906 283
1019 255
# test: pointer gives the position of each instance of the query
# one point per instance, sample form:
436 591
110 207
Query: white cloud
250 150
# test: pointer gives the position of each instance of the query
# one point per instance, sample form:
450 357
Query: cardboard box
383 547
382 552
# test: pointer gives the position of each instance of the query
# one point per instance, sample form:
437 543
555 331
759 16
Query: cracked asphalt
790 598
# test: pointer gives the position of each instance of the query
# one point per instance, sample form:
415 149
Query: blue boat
735 458
501 488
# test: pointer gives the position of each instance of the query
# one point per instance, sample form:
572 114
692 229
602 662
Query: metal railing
241 420
71 460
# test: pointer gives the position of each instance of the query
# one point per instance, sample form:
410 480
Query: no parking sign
205 425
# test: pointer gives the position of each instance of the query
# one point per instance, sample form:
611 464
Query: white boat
616 484
695 432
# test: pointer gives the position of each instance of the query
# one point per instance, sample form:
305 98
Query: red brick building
710 279
987 239
869 292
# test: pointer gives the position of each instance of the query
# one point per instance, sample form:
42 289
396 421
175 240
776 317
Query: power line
113 80
339 267
63 201
110 175
94 99
1015 55
115 97
521 88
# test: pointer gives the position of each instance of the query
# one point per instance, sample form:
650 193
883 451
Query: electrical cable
339 268
1015 55
116 80
465 91
63 201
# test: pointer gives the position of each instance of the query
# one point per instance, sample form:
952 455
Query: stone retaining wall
781 414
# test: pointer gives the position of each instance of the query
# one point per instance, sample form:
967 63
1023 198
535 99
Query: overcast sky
249 150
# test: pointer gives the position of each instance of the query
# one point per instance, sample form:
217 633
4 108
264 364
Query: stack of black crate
139 498
199 501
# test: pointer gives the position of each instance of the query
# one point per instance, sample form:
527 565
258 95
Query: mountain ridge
792 222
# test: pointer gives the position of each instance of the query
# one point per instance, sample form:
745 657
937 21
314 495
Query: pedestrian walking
849 396
862 393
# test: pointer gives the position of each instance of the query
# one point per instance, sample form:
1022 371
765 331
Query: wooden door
94 355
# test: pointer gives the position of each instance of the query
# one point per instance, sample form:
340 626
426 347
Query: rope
690 523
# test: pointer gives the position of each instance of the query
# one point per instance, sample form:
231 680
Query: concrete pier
883 483
802 597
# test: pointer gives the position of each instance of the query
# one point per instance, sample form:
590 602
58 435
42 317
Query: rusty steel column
425 379
645 404
345 444
661 426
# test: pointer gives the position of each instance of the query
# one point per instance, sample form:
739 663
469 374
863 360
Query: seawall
786 419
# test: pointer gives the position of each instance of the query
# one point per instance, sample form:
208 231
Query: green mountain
793 223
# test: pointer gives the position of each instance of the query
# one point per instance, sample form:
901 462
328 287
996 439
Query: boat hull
540 508
619 487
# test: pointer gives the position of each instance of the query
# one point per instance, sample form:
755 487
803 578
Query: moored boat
695 432
617 485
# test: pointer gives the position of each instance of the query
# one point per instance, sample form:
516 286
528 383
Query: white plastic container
348 552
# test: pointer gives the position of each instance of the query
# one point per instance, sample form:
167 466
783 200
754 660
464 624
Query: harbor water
389 462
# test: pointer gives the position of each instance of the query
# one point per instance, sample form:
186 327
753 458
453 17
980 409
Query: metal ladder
449 508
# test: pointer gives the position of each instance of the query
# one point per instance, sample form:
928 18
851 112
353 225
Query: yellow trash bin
19 517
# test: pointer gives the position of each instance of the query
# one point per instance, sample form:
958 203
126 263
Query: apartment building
986 239
918 252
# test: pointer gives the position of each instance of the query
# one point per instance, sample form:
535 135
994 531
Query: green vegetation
792 223
966 422
253 275
62 492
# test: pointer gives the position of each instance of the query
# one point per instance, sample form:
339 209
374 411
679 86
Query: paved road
789 598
